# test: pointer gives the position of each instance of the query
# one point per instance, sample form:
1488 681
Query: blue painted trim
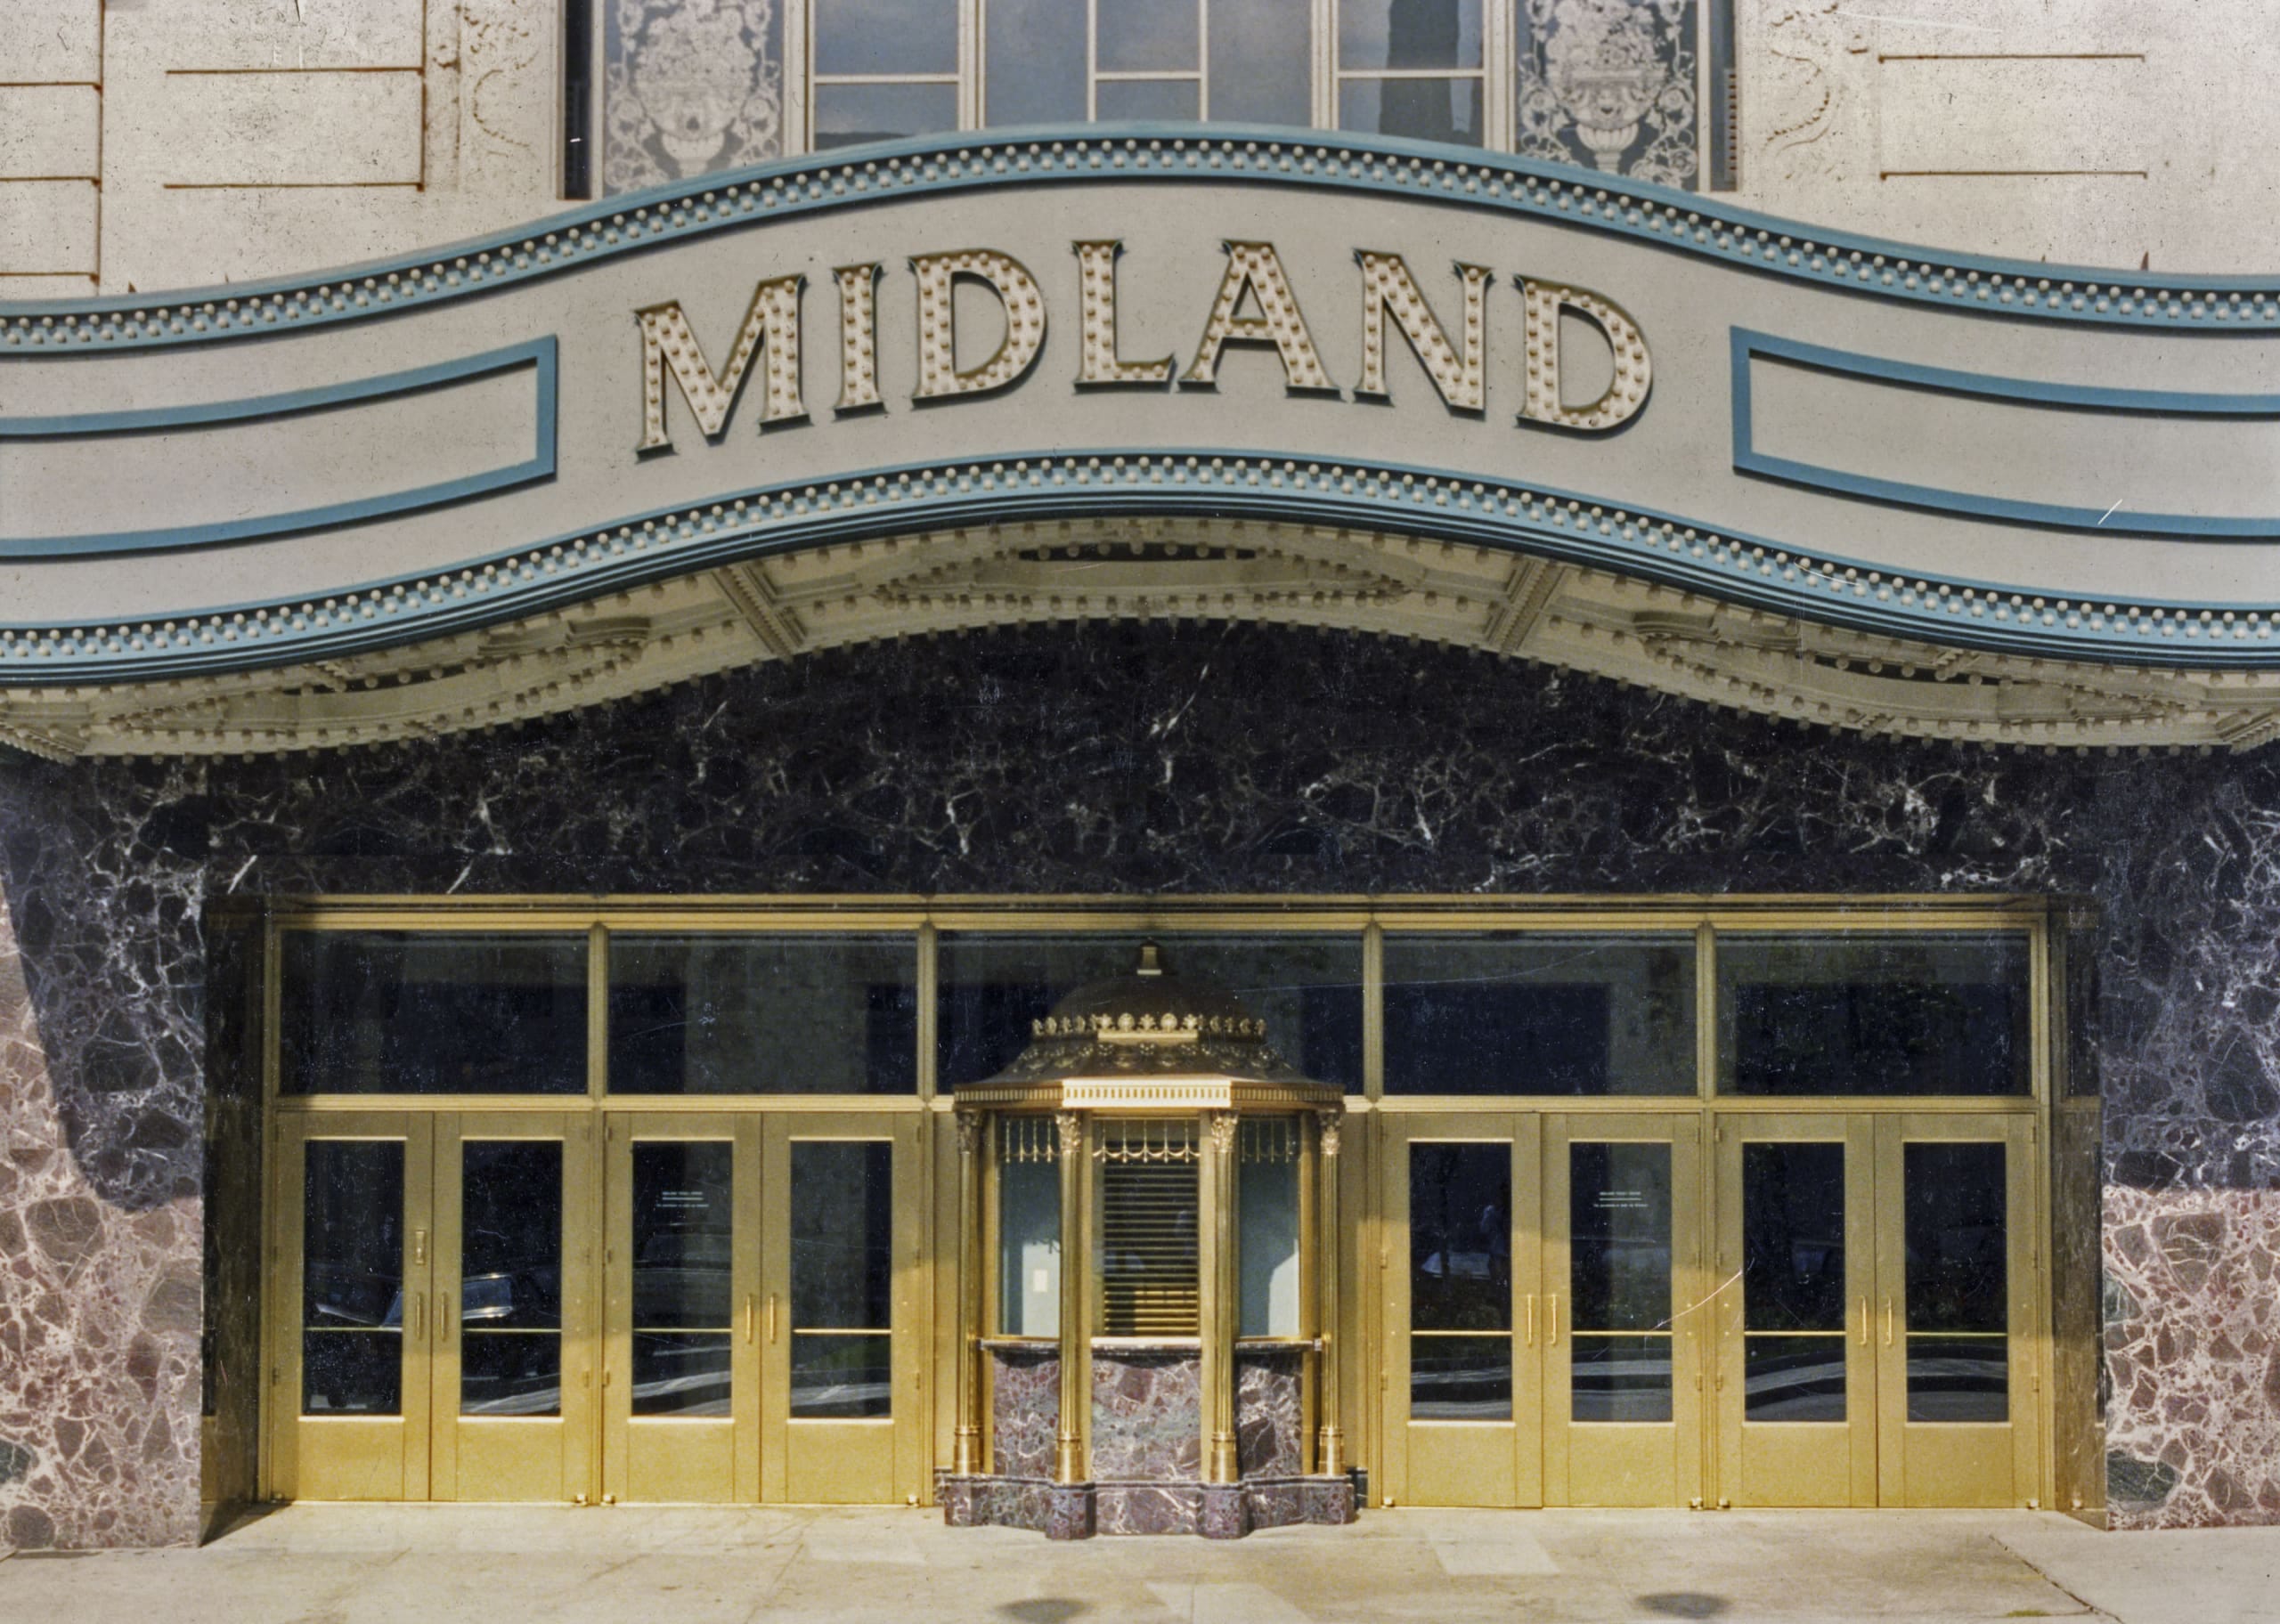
1426 502
540 354
1746 345
1322 161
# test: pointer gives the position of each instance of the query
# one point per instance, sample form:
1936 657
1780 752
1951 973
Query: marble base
1079 1511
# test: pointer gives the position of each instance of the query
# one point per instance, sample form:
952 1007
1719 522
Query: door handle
1551 1321
1531 1341
418 1317
751 1312
1887 1322
443 1320
1864 1322
771 1318
419 1245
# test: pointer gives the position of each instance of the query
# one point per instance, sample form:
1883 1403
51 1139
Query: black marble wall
1115 758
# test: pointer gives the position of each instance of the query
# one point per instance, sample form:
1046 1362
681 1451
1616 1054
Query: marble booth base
1079 1511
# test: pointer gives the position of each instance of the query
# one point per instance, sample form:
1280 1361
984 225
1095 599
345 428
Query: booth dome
1149 1023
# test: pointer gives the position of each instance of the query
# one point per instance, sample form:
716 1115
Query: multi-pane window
689 87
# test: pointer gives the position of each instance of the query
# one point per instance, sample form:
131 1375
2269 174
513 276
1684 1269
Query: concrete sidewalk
335 1564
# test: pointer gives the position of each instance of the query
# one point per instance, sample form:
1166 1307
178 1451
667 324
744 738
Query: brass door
1958 1402
1462 1342
512 1329
1795 1373
1621 1349
681 1398
842 1290
356 1250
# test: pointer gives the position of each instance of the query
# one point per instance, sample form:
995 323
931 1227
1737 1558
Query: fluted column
1329 1448
1216 1269
965 1457
1070 1465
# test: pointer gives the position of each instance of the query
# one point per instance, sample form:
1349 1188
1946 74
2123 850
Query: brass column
1221 1309
966 1456
1329 1448
1070 1465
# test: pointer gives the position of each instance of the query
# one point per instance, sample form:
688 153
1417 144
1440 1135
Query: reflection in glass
1873 1014
510 1278
849 115
1526 1014
1408 33
1620 1269
763 1015
1306 988
352 1277
1147 101
1261 62
862 36
1028 1227
1446 110
1957 1313
1267 1210
1793 1282
683 1251
1461 1282
1034 55
842 1269
1146 37
387 1012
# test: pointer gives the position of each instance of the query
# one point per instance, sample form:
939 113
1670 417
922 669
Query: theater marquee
1340 382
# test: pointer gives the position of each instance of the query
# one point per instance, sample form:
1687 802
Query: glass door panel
1795 1375
839 1270
513 1322
1956 1302
1621 1347
682 1415
356 1250
1462 1355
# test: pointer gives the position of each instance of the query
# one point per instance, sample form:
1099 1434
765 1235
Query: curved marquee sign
1243 328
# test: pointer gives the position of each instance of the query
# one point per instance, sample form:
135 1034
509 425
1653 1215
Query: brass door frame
1756 1461
350 1457
1423 1462
716 1460
1625 1463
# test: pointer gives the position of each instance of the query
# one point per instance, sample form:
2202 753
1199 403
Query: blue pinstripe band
538 355
1319 161
1052 486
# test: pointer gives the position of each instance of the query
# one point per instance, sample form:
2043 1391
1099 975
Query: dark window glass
1619 1271
683 1251
763 1015
1539 1015
842 1275
390 1013
1408 33
352 1277
1879 1015
1306 988
1034 51
886 36
1793 1282
1446 110
1461 1282
1958 1311
510 1278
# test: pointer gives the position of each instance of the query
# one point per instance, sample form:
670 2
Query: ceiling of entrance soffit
1875 488
1371 584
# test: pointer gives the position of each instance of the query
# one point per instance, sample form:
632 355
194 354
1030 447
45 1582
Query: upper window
691 86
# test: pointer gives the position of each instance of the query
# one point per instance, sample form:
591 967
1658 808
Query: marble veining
1147 1415
1270 1416
1024 1411
1126 759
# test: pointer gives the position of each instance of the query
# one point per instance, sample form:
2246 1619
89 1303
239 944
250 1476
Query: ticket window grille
1150 1208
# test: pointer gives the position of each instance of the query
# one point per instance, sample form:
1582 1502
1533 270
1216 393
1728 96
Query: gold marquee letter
1252 268
1099 362
938 348
858 337
669 345
1459 377
1633 372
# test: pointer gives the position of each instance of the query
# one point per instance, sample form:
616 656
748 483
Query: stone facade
1113 758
